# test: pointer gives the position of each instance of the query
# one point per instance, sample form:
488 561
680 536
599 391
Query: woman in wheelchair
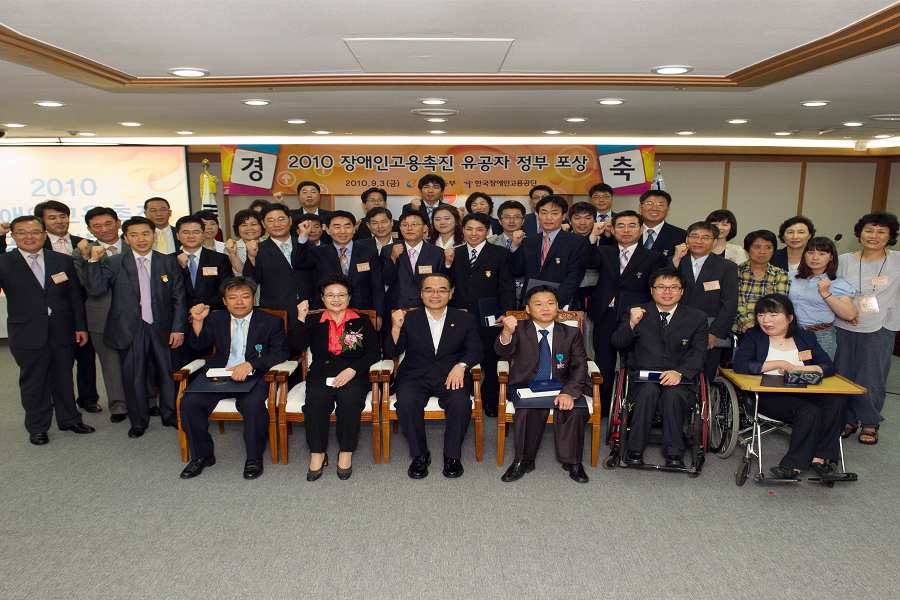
777 344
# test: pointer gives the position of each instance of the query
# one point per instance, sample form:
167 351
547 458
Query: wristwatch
463 365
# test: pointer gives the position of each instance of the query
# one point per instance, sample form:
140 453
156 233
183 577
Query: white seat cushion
228 405
432 405
296 398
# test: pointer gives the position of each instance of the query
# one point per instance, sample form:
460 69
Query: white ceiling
269 37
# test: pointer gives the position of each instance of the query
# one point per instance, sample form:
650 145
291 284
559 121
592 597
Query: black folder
223 385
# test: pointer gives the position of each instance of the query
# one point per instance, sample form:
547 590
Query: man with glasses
624 280
601 196
158 210
667 337
658 235
441 346
407 264
711 285
511 215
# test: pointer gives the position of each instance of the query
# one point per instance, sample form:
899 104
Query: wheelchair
696 428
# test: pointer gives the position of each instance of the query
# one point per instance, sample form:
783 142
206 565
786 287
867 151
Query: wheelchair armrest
191 367
503 371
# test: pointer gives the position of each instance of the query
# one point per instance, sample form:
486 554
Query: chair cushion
229 405
432 405
296 398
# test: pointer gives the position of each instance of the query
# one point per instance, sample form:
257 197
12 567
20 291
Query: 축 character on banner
628 170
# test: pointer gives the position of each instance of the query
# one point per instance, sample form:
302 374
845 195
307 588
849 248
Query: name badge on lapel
868 304
880 281
423 269
361 267
211 271
59 277
165 278
805 355
711 285
394 234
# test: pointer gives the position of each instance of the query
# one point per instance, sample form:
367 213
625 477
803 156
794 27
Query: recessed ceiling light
436 120
87 134
576 120
686 132
130 124
882 136
814 103
188 72
853 124
782 133
433 102
256 102
185 132
14 125
321 132
672 70
437 131
296 121
610 102
50 103
434 112
552 132
893 117
737 121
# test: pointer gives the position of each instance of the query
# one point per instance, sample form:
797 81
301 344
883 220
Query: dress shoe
313 475
344 474
92 408
452 467
490 411
576 472
154 411
253 469
117 418
822 469
634 459
782 472
136 432
418 469
673 460
79 428
195 467
517 470
39 439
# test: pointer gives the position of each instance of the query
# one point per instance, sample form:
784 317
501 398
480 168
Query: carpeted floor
104 516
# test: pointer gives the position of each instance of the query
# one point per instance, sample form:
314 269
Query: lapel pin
165 278
259 351
639 274
557 261
684 342
665 252
487 273
452 325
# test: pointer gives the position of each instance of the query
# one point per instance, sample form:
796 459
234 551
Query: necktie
36 268
62 246
696 269
161 244
623 261
412 258
649 243
603 218
144 282
345 261
112 250
544 372
545 249
192 266
236 356
286 250
474 256
665 320
508 243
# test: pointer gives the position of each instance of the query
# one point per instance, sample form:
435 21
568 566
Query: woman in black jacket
778 345
343 345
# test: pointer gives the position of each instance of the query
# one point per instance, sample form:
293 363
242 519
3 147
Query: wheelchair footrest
760 478
689 470
840 478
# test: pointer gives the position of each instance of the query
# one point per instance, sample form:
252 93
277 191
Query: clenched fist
637 313
183 260
681 251
303 229
517 238
303 310
397 318
252 248
824 286
199 312
449 255
4 228
231 247
97 252
85 248
416 203
396 251
509 324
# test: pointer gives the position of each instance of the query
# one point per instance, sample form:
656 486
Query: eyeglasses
410 225
703 238
650 203
602 197
21 233
441 291
281 219
335 296
629 226
666 288
512 217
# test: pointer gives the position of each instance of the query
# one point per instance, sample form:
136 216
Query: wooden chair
506 410
290 402
432 409
226 410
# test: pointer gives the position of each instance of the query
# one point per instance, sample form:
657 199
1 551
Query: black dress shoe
490 411
154 411
344 474
313 475
418 468
136 432
92 408
253 469
452 467
822 469
634 459
195 467
517 470
39 439
781 472
576 472
673 460
117 418
79 428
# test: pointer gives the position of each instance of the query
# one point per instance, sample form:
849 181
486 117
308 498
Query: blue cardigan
751 354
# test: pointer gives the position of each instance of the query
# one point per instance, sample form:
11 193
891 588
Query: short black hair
335 279
511 205
432 178
480 217
310 217
51 205
475 196
98 211
717 216
133 221
338 214
156 199
195 219
538 188
257 204
880 218
26 218
778 303
666 273
238 281
628 213
241 216
303 184
794 221
538 289
443 275
557 201
412 213
379 210
704 225
365 195
272 207
660 193
764 234
207 215
582 208
601 187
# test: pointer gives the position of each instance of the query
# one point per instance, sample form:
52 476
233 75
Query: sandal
849 429
869 432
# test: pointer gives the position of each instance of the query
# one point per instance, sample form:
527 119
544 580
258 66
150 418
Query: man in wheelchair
669 340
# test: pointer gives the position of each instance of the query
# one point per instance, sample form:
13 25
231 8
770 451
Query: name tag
210 270
868 304
879 281
59 278
395 234
424 269
330 381
711 285
805 355
360 267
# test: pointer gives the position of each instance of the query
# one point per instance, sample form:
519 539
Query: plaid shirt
751 289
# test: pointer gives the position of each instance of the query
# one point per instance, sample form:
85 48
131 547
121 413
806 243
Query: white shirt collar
197 253
671 311
630 249
40 254
137 257
477 248
697 263
246 320
418 248
117 244
55 238
655 230
549 328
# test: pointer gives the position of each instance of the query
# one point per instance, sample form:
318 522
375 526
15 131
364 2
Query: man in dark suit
483 285
431 192
380 223
147 317
711 285
158 210
554 257
530 224
46 320
664 336
582 218
358 262
658 235
541 349
601 196
624 276
441 345
309 193
407 264
248 343
372 198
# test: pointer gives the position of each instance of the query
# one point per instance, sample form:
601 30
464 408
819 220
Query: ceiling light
552 132
885 117
686 132
672 70
185 132
437 131
436 120
50 103
610 102
86 134
296 121
576 120
188 72
434 112
256 102
321 132
14 125
782 133
433 102
814 103
130 124
882 136
853 124
737 121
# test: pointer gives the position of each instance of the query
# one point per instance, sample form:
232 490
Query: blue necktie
192 266
237 344
544 372
649 243
508 243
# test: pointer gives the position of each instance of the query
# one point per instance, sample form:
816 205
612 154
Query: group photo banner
503 170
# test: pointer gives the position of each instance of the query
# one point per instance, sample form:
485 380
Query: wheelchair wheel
740 477
724 417
611 462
